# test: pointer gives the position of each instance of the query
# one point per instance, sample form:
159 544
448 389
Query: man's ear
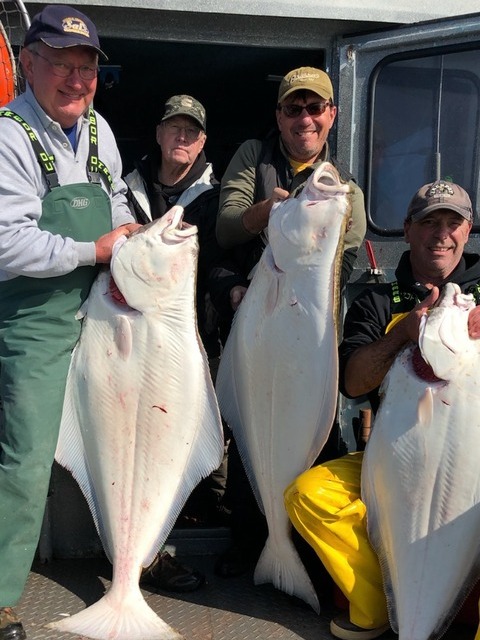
26 60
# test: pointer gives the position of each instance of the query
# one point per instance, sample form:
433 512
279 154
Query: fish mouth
326 182
170 225
177 225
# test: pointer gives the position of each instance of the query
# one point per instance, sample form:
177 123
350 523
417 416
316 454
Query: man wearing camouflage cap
261 173
176 172
378 324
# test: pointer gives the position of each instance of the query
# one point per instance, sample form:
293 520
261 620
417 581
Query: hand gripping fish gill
141 424
277 381
420 479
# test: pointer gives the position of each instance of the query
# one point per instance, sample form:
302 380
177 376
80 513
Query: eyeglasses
191 133
65 69
313 109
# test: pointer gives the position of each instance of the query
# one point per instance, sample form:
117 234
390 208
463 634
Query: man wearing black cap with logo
62 206
176 172
261 173
378 324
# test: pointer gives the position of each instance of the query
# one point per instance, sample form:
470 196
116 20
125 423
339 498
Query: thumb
431 298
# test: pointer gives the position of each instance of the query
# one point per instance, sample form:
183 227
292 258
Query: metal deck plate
225 609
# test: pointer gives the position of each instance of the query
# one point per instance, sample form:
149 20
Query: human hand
104 245
413 319
255 218
278 195
236 296
474 323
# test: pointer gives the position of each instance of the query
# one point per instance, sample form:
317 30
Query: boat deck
224 609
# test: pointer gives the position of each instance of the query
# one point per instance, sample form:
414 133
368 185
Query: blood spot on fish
157 406
421 368
115 292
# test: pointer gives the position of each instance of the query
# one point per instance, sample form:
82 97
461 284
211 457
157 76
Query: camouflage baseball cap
185 106
306 78
440 195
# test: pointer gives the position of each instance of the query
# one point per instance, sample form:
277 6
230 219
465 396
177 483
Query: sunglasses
313 109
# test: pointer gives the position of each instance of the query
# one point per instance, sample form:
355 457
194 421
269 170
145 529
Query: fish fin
425 407
227 384
285 570
206 455
274 275
112 618
123 336
271 299
70 451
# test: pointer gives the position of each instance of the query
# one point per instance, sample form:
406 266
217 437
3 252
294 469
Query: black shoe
10 626
235 561
167 574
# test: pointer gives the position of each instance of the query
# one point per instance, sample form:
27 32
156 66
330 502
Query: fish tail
114 619
283 568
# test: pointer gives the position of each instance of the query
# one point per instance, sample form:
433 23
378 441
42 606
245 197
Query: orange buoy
7 73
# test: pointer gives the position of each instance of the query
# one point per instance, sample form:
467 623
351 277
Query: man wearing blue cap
62 207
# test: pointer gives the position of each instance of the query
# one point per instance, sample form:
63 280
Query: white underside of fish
140 428
277 386
420 478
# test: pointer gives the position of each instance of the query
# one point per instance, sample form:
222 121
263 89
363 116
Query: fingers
236 296
104 245
474 323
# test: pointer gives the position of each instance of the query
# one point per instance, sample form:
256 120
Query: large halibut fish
277 381
420 476
141 425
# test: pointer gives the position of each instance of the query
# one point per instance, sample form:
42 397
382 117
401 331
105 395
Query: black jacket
372 310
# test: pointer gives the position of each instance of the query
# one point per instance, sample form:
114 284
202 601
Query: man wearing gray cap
261 173
378 324
176 172
61 195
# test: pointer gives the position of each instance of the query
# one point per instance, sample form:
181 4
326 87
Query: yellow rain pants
324 506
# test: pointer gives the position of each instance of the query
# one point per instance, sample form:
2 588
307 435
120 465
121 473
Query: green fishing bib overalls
38 331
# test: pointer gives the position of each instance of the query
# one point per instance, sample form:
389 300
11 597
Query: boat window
424 125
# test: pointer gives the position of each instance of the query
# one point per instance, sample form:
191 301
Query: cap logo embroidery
75 25
301 77
440 189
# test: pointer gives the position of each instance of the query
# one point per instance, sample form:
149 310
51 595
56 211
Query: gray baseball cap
440 195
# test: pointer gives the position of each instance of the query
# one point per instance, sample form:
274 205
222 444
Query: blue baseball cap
60 26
